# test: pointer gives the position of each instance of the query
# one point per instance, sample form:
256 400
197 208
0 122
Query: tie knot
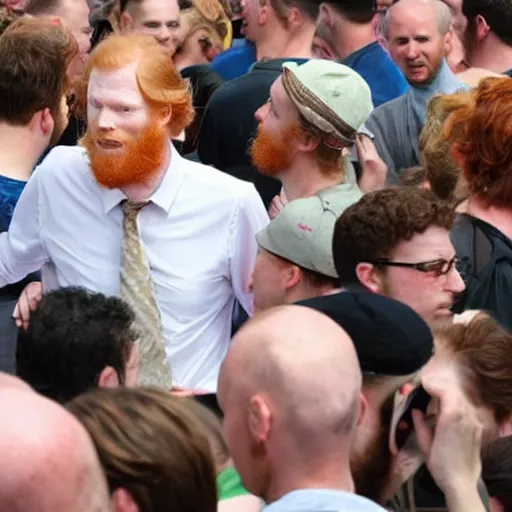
132 209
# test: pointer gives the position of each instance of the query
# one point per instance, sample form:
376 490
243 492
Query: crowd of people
255 256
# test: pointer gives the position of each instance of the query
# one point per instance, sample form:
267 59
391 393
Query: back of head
496 13
35 57
72 336
442 173
49 458
355 11
160 83
42 7
485 160
151 446
308 9
306 367
369 230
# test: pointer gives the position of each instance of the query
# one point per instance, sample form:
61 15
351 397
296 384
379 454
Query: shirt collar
163 196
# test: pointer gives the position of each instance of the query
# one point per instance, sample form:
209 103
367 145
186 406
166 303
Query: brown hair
370 229
484 350
159 81
150 445
308 8
35 57
442 172
413 177
480 133
497 470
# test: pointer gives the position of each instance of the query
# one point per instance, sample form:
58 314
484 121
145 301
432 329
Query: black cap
390 338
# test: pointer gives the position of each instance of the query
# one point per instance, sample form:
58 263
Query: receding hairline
439 9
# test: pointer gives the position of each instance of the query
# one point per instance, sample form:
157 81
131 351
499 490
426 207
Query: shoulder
387 112
63 159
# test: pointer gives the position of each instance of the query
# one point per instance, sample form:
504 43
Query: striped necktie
137 289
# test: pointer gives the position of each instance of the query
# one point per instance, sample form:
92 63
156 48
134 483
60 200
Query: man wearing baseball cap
295 259
308 125
392 343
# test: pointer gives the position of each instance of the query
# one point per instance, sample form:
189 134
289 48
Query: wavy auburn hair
158 80
480 135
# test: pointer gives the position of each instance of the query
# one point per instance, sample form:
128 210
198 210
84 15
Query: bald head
425 10
307 366
50 460
9 381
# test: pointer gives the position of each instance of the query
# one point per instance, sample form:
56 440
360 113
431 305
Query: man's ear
293 276
295 18
369 277
260 419
125 21
307 142
482 28
362 409
123 502
163 116
108 378
326 15
43 121
448 42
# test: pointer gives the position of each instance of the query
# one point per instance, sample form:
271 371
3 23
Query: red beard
273 153
137 162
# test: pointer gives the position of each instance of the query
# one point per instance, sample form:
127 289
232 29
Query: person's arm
452 450
21 249
250 217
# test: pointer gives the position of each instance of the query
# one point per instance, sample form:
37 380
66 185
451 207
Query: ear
164 115
295 18
123 502
263 12
506 427
43 121
482 28
326 15
293 276
108 378
363 408
260 419
307 143
125 22
369 277
448 42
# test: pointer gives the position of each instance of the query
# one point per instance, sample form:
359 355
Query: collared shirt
198 232
322 500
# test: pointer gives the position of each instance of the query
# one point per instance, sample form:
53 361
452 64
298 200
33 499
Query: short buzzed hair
441 10
309 8
356 11
497 14
42 7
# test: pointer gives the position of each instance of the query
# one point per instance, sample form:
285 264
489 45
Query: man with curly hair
396 242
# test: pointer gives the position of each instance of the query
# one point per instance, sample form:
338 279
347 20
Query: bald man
50 460
418 35
290 389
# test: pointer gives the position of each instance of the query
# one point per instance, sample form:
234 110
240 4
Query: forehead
119 83
407 20
433 244
156 9
281 100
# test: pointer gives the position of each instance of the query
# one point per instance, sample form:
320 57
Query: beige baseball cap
302 232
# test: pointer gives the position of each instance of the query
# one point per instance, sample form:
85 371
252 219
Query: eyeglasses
436 267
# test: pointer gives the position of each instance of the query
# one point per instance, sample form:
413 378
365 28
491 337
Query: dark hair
480 133
72 336
152 446
497 14
356 11
497 470
370 229
35 57
309 8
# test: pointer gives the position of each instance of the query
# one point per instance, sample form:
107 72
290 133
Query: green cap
302 232
331 96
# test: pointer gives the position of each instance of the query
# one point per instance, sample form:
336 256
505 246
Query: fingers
424 433
28 301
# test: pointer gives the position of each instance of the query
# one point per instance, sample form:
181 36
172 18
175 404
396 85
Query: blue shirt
235 62
10 191
380 72
322 500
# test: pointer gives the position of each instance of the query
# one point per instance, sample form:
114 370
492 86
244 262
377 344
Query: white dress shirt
198 232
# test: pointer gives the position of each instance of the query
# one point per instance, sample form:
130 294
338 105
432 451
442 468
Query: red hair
480 134
159 82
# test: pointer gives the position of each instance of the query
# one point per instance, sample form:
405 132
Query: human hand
452 451
374 170
277 204
27 302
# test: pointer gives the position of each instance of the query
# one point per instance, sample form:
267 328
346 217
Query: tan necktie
137 289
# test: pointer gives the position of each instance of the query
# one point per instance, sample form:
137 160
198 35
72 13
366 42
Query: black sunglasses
437 267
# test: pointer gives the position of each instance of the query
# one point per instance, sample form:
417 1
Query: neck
280 44
352 38
19 151
493 55
501 218
182 61
143 191
332 473
305 179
